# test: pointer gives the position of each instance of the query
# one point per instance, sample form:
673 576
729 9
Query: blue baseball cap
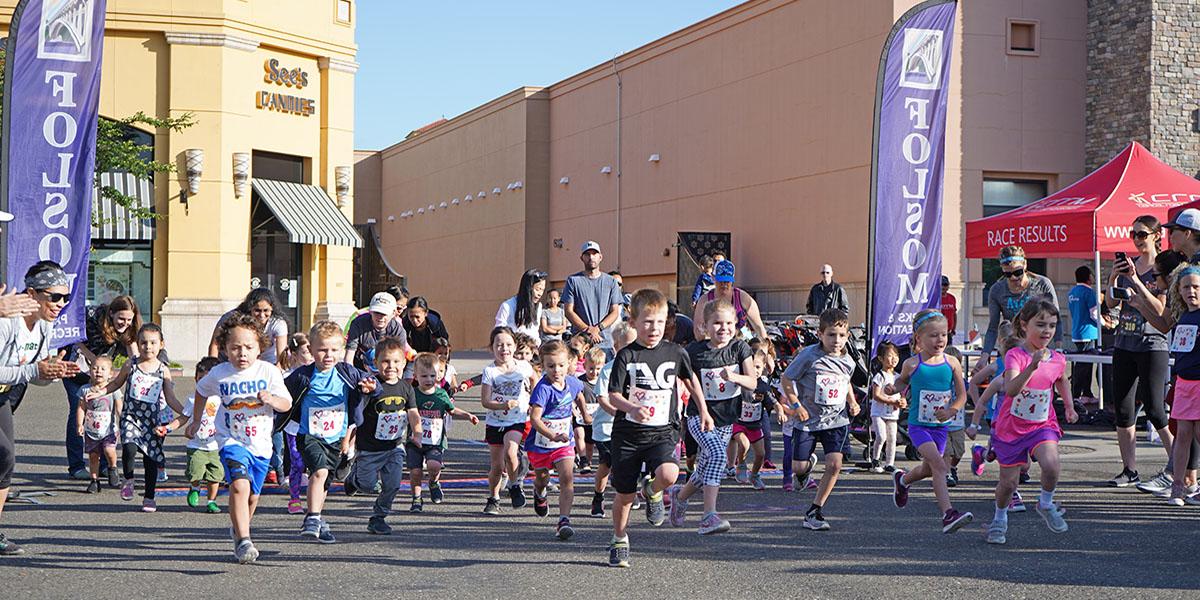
723 272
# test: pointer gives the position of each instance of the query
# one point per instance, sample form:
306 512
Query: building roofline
518 95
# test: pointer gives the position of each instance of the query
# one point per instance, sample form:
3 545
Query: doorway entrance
276 262
693 246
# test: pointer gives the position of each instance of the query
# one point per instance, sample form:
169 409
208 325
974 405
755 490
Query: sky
421 61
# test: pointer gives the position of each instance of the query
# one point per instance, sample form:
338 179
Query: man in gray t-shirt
592 299
822 381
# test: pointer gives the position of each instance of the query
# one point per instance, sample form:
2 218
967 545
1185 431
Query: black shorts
604 452
319 454
494 436
832 440
416 457
587 433
690 447
631 449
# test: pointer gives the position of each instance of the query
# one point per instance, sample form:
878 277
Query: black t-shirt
421 339
648 376
362 338
724 398
763 398
383 423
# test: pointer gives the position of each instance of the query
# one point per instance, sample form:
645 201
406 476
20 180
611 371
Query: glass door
275 262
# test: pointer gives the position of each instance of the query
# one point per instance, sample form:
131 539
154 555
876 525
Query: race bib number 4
1184 338
1031 405
388 426
556 426
831 389
326 422
930 402
659 403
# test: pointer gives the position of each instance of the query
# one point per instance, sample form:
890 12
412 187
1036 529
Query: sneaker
876 467
325 536
114 478
1125 478
756 481
638 500
492 507
1024 479
656 513
149 506
977 462
788 487
1016 505
712 523
9 547
1163 493
899 490
996 532
564 531
598 505
953 520
768 465
193 498
815 521
952 478
295 507
1163 480
418 505
311 527
377 526
810 483
435 492
541 505
991 455
272 478
889 469
517 495
81 474
212 507
349 487
162 475
127 490
742 475
730 473
245 553
94 487
1053 517
618 554
585 468
552 488
679 507
1192 500
340 472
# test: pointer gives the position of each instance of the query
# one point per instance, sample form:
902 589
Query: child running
725 367
748 431
204 459
505 393
1185 303
552 445
602 420
1025 423
817 387
933 383
297 354
642 389
251 392
97 424
427 444
885 410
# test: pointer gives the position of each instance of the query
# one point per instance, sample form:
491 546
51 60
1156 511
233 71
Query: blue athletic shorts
832 440
240 464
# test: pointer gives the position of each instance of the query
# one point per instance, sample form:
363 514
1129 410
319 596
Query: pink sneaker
977 460
295 507
788 487
149 506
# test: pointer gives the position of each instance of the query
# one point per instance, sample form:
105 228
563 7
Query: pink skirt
1187 400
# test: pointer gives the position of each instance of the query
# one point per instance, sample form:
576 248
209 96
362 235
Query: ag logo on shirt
663 379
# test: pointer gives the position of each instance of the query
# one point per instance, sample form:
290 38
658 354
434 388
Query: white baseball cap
589 246
383 303
6 217
1188 219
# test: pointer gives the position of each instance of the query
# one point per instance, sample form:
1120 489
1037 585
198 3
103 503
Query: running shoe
711 524
9 547
953 520
618 554
977 462
585 468
815 521
114 478
541 505
730 473
563 530
127 490
756 481
1163 480
1053 517
742 474
679 507
876 467
435 492
598 505
193 498
162 475
517 495
325 536
492 507
1016 505
311 527
81 474
789 487
1125 478
212 507
272 478
418 505
1193 500
768 465
245 552
94 487
340 472
889 469
656 513
149 506
899 490
1179 493
377 526
1024 479
996 532
952 478
295 507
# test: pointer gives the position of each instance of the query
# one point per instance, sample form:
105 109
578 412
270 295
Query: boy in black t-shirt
642 388
382 423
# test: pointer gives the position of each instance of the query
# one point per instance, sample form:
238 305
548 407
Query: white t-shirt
506 316
513 385
243 420
879 409
28 342
206 436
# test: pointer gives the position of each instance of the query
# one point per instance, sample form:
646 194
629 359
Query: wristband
795 405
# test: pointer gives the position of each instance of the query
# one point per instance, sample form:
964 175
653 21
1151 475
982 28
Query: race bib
659 403
556 426
715 387
510 414
326 422
144 388
207 428
389 426
1031 405
931 401
246 428
98 423
831 389
751 412
431 430
1183 339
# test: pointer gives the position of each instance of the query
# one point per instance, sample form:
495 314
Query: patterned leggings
710 463
296 472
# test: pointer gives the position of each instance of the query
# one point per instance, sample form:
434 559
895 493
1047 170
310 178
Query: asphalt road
1121 543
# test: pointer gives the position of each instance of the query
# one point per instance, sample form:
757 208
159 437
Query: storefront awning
307 213
110 221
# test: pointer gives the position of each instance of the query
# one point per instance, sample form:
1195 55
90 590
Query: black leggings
129 454
1150 371
8 446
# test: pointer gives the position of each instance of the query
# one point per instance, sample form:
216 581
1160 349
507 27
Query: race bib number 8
930 402
556 426
1031 405
715 387
659 403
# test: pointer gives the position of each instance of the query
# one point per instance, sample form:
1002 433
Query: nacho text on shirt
242 388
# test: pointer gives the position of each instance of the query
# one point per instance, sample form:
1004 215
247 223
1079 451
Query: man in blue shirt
1085 329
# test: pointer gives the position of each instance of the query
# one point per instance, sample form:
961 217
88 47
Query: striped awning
110 221
307 213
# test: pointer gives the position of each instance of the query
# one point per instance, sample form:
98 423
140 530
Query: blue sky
420 61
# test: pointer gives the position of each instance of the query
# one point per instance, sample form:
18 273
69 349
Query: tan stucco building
271 86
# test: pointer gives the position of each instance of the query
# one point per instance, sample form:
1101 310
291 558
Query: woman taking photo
744 305
523 313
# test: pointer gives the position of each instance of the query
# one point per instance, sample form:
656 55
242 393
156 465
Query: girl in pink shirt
1025 424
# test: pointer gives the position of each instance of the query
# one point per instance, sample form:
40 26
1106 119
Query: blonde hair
426 360
323 330
646 299
1174 298
596 356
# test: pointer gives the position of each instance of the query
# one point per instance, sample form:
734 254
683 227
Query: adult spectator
422 325
679 328
704 282
1185 233
554 320
25 357
111 331
523 312
826 294
1009 293
261 304
1085 329
949 308
400 293
366 330
744 306
592 299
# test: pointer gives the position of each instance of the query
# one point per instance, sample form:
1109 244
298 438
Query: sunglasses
55 297
1015 274
1138 235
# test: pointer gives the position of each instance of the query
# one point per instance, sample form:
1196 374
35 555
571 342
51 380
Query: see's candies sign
280 102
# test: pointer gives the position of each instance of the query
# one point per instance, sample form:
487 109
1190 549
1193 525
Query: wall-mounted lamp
655 157
455 201
605 169
341 184
241 173
372 221
431 208
510 187
193 161
420 211
565 180
497 191
518 185
481 194
468 198
391 218
444 205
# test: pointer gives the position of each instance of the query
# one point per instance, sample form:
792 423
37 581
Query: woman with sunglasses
1141 360
25 357
1009 294
523 313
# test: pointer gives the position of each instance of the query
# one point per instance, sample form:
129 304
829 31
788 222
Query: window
1001 195
1022 37
343 11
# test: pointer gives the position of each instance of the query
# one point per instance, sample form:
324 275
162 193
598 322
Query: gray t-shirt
1004 303
275 328
821 382
593 299
1134 334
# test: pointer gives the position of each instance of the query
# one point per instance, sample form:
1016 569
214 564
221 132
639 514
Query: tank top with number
1184 348
931 387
